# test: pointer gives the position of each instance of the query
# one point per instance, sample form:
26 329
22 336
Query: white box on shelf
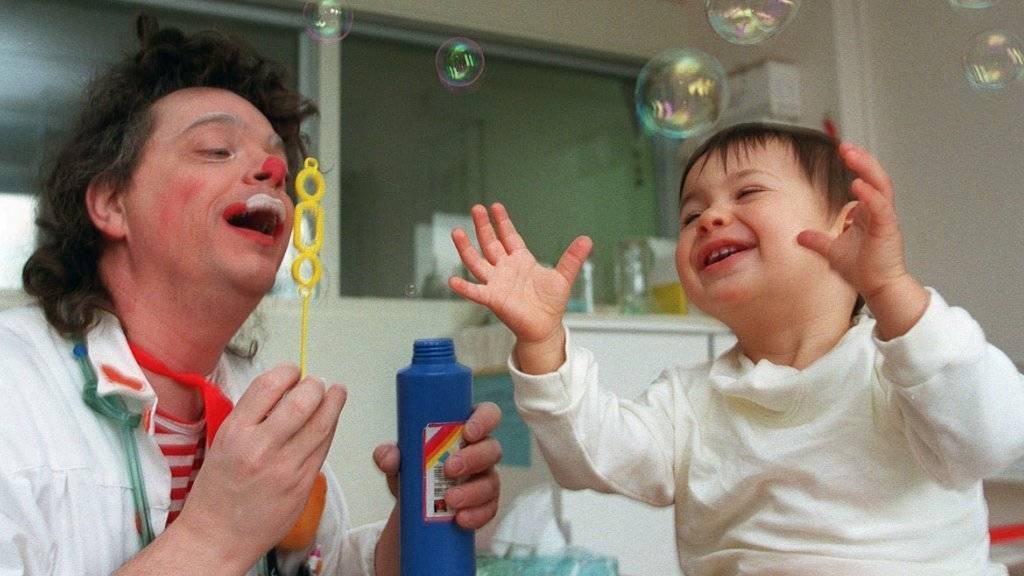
767 90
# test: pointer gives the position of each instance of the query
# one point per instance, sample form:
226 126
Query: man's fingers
485 418
477 491
473 459
475 518
387 458
319 429
294 409
264 393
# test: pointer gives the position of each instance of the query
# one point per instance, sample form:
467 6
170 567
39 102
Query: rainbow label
440 442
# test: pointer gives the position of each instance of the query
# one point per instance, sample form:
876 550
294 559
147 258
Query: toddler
827 440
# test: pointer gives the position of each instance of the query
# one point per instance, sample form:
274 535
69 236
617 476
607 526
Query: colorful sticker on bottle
440 442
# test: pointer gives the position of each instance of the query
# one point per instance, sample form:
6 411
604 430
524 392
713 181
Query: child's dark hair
815 151
114 122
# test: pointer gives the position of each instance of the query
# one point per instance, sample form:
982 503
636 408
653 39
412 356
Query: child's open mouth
260 217
719 251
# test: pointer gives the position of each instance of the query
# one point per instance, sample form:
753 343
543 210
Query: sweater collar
783 389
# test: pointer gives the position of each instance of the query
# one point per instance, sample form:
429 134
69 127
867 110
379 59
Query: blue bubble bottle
435 395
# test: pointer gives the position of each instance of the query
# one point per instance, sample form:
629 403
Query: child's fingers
510 239
817 241
476 265
879 208
867 167
489 244
573 258
468 290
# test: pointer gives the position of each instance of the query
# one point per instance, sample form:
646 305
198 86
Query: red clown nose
275 168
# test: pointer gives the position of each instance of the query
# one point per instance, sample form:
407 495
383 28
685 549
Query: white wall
955 156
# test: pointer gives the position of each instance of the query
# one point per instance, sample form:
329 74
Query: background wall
955 157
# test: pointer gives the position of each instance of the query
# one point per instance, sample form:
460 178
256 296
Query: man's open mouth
260 213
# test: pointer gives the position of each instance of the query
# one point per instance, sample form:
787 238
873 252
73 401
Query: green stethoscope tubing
114 409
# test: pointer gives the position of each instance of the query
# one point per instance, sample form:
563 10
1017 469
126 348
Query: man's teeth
720 254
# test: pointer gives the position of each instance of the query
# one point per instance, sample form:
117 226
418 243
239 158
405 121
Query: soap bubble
973 4
459 62
993 59
750 21
410 291
327 21
681 93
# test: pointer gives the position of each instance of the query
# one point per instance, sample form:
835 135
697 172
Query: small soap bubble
681 93
973 4
410 290
750 21
459 62
993 60
327 21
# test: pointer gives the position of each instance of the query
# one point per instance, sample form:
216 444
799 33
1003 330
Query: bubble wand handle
307 252
303 533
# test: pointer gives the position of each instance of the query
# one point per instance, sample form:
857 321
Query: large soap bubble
750 21
459 62
681 93
993 60
327 21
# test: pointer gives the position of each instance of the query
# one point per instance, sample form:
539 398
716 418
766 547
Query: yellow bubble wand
304 531
307 252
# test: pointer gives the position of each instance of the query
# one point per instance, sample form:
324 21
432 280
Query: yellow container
669 298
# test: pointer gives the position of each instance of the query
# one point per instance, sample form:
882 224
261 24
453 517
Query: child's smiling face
739 219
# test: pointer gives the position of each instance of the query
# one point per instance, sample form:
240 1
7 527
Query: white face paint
262 202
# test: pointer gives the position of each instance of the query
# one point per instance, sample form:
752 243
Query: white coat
66 504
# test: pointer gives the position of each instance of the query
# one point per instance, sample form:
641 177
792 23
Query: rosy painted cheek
175 206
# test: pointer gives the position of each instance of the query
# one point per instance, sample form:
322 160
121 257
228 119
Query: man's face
739 222
207 203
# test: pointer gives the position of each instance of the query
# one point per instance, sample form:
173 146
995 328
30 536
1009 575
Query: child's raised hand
868 253
528 297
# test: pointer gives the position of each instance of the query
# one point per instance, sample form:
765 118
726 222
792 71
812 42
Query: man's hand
475 498
258 474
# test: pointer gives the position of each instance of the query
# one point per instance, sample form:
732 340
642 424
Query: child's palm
527 297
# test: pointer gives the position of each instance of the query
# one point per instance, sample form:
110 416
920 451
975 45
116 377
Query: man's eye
219 153
748 192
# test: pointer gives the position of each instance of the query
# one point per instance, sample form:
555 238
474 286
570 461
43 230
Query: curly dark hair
107 139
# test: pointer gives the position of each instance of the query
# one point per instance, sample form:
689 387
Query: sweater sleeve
961 399
590 438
